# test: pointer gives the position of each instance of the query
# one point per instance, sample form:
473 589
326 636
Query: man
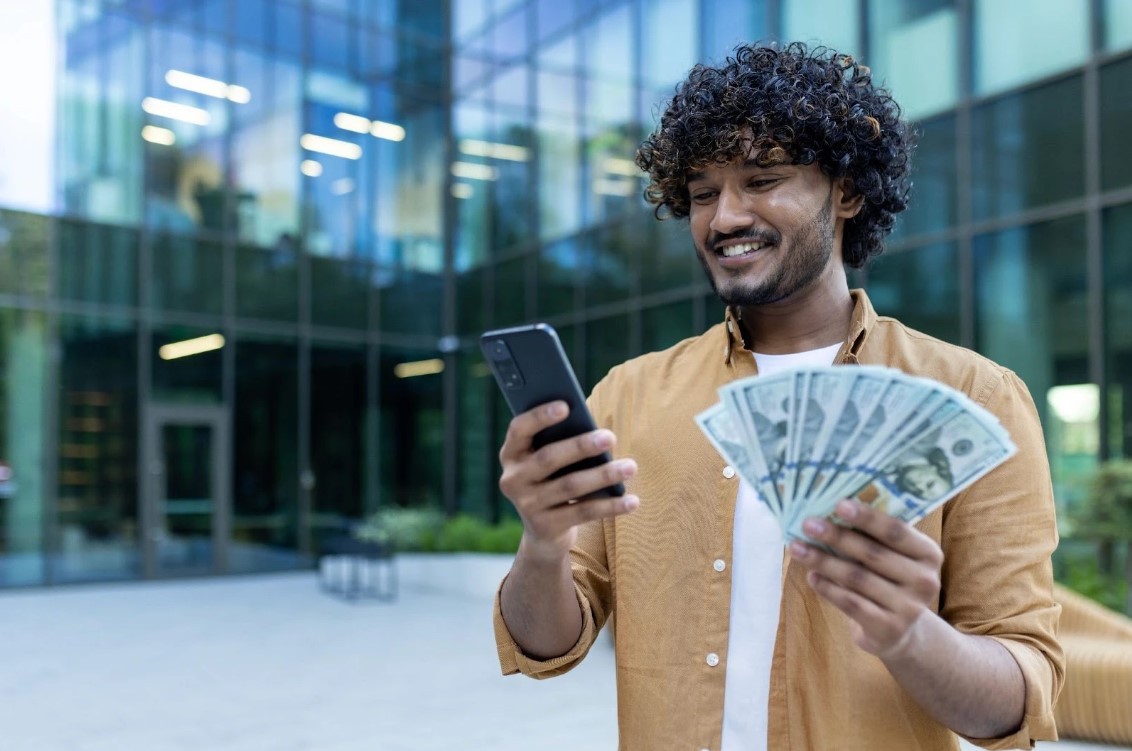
789 165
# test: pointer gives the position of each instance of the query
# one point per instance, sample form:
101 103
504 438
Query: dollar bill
720 427
765 405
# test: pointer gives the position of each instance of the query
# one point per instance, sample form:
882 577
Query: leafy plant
1106 517
427 530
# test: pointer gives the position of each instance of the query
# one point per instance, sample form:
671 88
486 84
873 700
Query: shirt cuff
1037 720
513 660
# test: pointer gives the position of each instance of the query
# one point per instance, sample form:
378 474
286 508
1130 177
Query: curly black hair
789 104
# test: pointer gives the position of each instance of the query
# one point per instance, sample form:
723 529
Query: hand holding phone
532 369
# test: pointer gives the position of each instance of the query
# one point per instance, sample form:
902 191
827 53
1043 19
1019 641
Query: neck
813 318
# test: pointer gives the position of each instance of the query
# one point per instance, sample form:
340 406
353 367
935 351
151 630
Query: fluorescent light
331 146
607 187
189 347
418 368
388 131
342 186
618 166
1079 402
353 123
207 86
175 111
510 152
238 94
471 171
310 168
462 190
162 136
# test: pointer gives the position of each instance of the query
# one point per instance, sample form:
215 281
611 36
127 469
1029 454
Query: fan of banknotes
809 437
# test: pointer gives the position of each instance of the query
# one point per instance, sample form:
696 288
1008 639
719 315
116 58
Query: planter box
462 574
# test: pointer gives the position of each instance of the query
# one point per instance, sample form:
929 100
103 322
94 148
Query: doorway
186 513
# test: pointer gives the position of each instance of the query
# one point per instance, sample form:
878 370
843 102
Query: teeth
741 248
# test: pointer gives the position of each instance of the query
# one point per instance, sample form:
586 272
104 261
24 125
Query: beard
809 254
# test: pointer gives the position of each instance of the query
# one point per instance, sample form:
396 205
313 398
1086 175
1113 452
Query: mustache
767 237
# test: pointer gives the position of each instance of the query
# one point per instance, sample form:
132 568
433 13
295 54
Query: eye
703 196
764 182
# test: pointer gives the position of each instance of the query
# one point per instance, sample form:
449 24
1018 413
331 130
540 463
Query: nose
731 212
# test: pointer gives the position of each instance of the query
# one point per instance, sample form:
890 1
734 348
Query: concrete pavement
270 663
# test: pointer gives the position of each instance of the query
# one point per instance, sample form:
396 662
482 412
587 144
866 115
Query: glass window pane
670 37
1008 32
610 265
834 25
728 23
265 450
471 301
607 344
1031 316
23 253
915 48
1118 309
267 281
664 325
932 204
410 302
97 263
479 465
192 379
340 448
98 449
24 366
411 433
1117 24
187 274
339 293
511 292
560 156
668 259
1028 149
1116 124
558 278
920 287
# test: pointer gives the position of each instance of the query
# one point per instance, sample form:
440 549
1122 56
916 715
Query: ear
847 202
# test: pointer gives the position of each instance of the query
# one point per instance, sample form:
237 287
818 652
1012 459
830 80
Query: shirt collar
864 316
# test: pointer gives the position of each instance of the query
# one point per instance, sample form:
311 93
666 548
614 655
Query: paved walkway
269 663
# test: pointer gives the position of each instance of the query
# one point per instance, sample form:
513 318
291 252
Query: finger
891 532
851 576
860 548
571 515
584 483
523 427
879 630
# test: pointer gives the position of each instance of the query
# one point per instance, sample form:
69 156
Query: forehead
746 165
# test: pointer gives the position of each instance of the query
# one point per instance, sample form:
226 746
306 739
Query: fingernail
799 550
814 526
603 439
627 467
555 409
631 503
847 510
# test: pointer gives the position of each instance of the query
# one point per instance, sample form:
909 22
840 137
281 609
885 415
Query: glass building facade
246 311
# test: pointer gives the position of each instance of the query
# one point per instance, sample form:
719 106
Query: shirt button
728 471
712 659
719 564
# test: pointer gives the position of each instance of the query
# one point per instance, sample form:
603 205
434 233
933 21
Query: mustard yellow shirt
657 567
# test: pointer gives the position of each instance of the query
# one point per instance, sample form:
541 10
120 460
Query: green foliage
427 530
1107 511
1082 574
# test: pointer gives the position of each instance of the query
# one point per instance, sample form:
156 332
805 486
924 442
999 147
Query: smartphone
531 368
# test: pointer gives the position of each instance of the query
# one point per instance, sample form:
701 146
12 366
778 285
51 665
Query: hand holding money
807 438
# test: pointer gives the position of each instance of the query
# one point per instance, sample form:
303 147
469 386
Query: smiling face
763 234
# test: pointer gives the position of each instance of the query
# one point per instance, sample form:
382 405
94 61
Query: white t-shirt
756 594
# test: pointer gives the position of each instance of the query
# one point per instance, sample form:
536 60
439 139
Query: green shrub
426 530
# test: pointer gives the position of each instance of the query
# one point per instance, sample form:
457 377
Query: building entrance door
186 513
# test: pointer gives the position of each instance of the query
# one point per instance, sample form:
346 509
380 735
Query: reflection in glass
265 450
670 35
478 463
180 378
607 344
340 452
1116 124
664 325
1028 149
411 436
1023 40
558 278
1117 228
610 261
410 303
728 23
920 287
267 281
187 274
97 263
1117 15
183 541
1031 306
668 257
915 52
835 25
23 253
98 449
23 371
339 293
932 203
511 292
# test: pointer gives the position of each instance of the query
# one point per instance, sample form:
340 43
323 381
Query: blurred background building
247 246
